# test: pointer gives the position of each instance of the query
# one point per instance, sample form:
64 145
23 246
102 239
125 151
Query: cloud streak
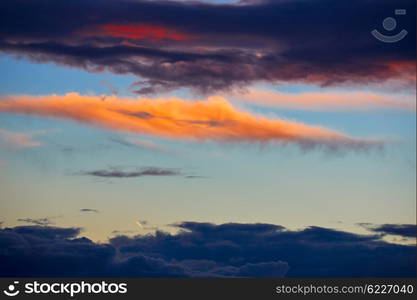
89 210
137 32
39 221
214 119
140 143
336 101
118 173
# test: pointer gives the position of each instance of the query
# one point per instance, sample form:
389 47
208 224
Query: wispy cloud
145 225
39 221
213 119
329 101
116 172
17 141
195 177
89 210
139 143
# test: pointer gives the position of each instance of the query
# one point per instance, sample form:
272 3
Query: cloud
211 47
195 177
204 250
329 101
145 225
404 230
137 32
139 143
213 119
39 221
89 210
17 141
118 173
141 223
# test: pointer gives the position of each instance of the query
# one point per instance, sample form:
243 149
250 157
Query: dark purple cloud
209 47
204 250
404 230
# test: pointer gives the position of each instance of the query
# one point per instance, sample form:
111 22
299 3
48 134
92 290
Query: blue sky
245 183
172 138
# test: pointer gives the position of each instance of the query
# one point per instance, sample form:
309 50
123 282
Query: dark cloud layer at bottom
204 250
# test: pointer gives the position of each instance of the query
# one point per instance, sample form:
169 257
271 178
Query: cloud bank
211 47
204 250
214 119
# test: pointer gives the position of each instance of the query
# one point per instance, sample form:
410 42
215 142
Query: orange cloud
329 101
212 119
139 32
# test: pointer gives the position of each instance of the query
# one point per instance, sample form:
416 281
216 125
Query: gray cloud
403 230
142 172
39 221
195 177
89 210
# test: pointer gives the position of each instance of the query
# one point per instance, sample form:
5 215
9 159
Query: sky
141 116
